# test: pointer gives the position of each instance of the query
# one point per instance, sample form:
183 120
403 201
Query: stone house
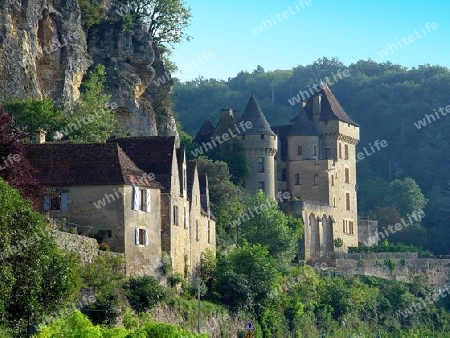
160 157
92 186
313 158
127 191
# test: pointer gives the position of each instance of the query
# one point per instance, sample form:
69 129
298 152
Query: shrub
91 12
166 263
175 279
144 292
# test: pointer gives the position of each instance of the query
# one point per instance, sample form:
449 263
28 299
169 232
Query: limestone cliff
44 52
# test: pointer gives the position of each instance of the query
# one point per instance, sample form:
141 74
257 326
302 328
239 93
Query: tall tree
166 19
90 119
263 222
37 278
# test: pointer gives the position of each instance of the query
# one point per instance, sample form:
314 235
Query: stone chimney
40 136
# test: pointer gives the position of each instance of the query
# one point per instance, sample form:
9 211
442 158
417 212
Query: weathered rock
44 52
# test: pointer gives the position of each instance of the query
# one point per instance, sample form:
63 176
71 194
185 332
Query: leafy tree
106 276
269 226
30 115
405 195
225 197
90 119
38 279
14 167
166 19
75 325
144 292
245 277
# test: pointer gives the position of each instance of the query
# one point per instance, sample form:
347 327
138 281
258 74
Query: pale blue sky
348 29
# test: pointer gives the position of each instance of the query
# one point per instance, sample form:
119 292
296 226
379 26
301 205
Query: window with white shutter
136 198
147 200
141 236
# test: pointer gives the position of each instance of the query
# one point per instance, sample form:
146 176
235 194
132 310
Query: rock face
44 52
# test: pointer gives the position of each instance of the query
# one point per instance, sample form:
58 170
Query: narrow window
343 226
314 150
340 150
209 231
260 164
196 230
347 201
332 179
184 218
334 202
109 233
297 179
327 153
315 179
141 237
142 199
350 224
262 136
175 214
347 175
300 150
346 152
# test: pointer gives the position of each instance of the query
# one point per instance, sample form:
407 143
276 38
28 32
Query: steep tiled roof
83 164
205 132
303 126
254 114
190 171
331 108
152 154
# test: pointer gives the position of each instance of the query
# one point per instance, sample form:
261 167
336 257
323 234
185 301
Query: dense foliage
14 167
38 279
387 100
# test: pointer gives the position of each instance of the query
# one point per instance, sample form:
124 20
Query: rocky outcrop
44 52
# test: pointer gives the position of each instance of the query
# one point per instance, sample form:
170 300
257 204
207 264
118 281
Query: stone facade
133 194
117 221
314 159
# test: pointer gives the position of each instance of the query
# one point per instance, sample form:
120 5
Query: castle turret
260 146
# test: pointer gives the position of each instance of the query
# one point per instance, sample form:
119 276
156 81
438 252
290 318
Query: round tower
260 146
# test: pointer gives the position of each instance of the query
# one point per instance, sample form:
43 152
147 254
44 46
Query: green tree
225 197
245 277
405 195
106 276
166 19
38 279
269 226
90 119
30 114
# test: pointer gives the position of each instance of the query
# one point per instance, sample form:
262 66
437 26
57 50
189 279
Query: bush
175 279
91 12
144 292
162 330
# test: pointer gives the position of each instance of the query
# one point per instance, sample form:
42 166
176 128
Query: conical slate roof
254 114
303 126
205 131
